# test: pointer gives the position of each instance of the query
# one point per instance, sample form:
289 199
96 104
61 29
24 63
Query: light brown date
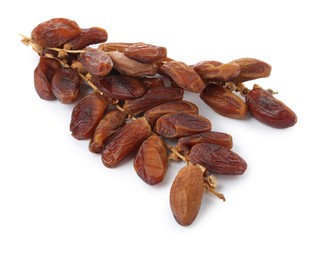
269 110
115 46
126 141
186 194
217 159
224 102
183 75
151 160
86 116
107 127
97 62
181 124
146 53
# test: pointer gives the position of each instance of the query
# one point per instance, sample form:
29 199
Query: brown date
181 124
115 46
43 75
186 194
185 144
157 93
87 37
65 85
151 160
121 87
217 159
146 53
269 110
107 127
224 102
183 75
169 107
127 140
86 116
55 32
97 62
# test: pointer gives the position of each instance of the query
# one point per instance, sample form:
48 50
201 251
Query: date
97 62
146 53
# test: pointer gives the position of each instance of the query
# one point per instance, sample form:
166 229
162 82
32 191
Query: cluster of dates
137 104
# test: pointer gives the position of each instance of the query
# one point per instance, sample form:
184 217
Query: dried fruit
151 160
97 62
146 53
115 46
224 102
107 127
181 124
186 194
217 159
86 116
269 110
125 142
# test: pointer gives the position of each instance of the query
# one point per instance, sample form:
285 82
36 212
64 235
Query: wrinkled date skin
269 110
86 116
55 32
146 53
183 75
115 46
127 140
43 75
186 194
87 37
181 124
153 114
121 87
217 159
97 62
107 127
65 85
185 144
157 93
224 102
151 161
251 69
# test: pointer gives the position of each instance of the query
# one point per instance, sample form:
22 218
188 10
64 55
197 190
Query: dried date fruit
55 32
185 144
146 53
43 75
181 124
97 62
86 116
129 67
65 85
224 102
127 140
115 46
153 114
107 127
217 159
121 87
183 75
157 93
151 161
251 69
186 194
269 110
87 37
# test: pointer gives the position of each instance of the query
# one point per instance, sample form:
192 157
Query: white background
57 200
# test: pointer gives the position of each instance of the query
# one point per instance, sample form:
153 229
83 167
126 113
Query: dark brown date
106 128
269 110
121 87
43 75
185 144
87 37
127 140
55 32
97 62
181 124
146 53
169 107
217 159
86 116
224 102
65 85
151 160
